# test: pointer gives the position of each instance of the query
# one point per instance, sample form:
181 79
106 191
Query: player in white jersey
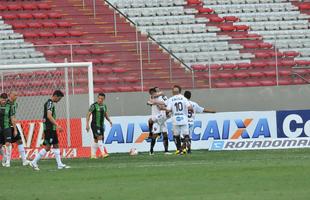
179 106
157 122
191 118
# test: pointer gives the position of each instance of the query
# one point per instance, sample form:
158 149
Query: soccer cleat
34 166
178 152
167 153
7 165
184 151
105 155
26 162
151 153
3 162
93 157
63 166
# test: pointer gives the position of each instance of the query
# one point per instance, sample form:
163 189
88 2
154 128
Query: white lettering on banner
31 130
66 153
294 118
256 144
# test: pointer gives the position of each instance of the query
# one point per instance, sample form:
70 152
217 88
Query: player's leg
164 132
21 149
189 143
151 123
94 145
177 138
155 133
2 149
48 140
8 146
100 137
185 133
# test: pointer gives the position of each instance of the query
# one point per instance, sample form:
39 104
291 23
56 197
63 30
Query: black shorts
97 131
6 135
17 137
50 137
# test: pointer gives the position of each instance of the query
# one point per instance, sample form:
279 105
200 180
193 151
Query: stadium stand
228 43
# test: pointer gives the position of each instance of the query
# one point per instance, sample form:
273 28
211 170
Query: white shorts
180 130
159 125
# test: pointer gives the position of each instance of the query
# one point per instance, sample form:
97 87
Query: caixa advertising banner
220 131
132 132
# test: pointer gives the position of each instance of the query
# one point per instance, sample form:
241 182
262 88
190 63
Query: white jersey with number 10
178 104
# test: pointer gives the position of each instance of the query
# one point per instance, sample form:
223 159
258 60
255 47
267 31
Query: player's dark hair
3 95
58 93
179 88
187 94
152 90
101 94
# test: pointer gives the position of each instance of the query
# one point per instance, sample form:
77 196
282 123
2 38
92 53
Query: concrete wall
222 100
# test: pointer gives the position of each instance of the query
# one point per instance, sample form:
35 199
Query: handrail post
209 72
170 69
71 53
94 8
115 24
276 57
141 67
137 40
148 51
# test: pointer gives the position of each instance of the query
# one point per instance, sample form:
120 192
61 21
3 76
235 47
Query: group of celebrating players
182 111
178 107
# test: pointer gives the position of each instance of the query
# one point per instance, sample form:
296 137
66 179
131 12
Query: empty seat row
147 3
24 6
174 29
160 11
168 20
29 16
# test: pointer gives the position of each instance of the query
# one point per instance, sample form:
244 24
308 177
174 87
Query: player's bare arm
108 118
13 121
87 121
53 121
209 111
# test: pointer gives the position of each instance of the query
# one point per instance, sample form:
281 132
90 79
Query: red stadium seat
9 16
241 27
44 6
291 53
131 79
64 24
205 10
102 70
237 84
221 85
100 80
29 6
270 73
287 63
81 52
3 8
262 55
227 27
39 16
216 19
125 89
265 45
198 67
34 25
19 25
76 33
243 65
231 19
194 2
108 61
228 66
50 52
119 70
49 24
267 83
93 60
61 34
252 83
303 62
98 51
256 74
30 35
240 75
251 45
54 15
14 7
226 75
65 52
113 79
46 34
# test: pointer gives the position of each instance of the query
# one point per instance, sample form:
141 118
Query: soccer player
17 138
98 111
179 106
158 119
6 120
50 132
191 119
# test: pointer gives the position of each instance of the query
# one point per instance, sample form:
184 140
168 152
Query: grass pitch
248 175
